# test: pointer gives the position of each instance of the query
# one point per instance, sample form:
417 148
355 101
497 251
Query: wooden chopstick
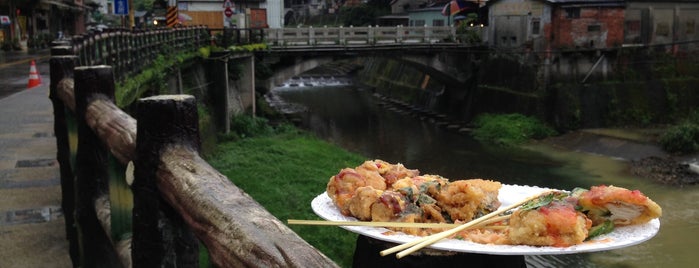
388 224
417 244
374 224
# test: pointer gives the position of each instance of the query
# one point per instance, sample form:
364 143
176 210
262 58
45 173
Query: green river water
360 122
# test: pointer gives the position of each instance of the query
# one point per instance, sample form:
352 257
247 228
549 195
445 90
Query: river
359 121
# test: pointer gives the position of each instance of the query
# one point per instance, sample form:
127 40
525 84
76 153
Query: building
549 24
27 23
219 14
427 17
662 23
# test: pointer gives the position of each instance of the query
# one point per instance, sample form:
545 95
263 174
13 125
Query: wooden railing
347 36
179 200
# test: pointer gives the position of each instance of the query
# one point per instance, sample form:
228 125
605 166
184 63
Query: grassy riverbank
283 171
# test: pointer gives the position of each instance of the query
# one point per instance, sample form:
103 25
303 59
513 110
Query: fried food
556 224
469 199
621 206
389 206
343 186
360 204
413 187
380 191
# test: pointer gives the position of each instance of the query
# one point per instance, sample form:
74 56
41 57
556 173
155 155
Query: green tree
364 14
143 4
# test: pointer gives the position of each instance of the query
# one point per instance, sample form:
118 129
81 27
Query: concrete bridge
434 50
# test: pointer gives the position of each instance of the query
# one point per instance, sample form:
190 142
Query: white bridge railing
343 36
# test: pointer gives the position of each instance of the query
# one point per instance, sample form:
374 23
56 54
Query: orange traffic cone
34 78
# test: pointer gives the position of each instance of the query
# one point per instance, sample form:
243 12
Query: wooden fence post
61 65
161 238
92 83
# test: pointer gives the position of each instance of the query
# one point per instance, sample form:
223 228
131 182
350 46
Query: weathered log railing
347 36
178 199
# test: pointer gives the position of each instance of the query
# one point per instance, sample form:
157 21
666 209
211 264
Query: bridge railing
370 35
128 51
178 199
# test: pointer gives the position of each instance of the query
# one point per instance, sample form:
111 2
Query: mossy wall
613 103
397 80
507 85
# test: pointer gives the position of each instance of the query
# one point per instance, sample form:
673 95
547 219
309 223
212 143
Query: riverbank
638 147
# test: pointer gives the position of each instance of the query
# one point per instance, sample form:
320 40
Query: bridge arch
453 68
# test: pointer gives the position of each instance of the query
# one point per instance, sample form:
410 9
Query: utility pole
132 21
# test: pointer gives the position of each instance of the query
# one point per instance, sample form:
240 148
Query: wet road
14 70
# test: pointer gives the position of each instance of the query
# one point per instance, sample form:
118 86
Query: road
14 70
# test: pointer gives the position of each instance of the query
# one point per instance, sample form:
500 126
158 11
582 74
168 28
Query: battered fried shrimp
556 224
468 199
360 204
620 205
342 187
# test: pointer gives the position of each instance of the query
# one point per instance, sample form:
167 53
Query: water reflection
357 121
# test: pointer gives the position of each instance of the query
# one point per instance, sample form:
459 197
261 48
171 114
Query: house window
419 23
536 25
594 28
662 29
438 23
572 12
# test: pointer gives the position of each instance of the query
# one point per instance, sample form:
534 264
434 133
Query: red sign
5 20
228 12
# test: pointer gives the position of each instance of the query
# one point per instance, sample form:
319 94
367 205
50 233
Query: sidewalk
32 229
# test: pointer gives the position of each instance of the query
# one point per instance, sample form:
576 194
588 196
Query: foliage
248 47
682 138
284 171
207 128
509 129
143 4
205 52
263 70
362 15
245 126
151 79
466 31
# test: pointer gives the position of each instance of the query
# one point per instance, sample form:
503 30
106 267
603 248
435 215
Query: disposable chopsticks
388 224
410 247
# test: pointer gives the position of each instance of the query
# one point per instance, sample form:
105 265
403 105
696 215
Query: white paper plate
509 194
